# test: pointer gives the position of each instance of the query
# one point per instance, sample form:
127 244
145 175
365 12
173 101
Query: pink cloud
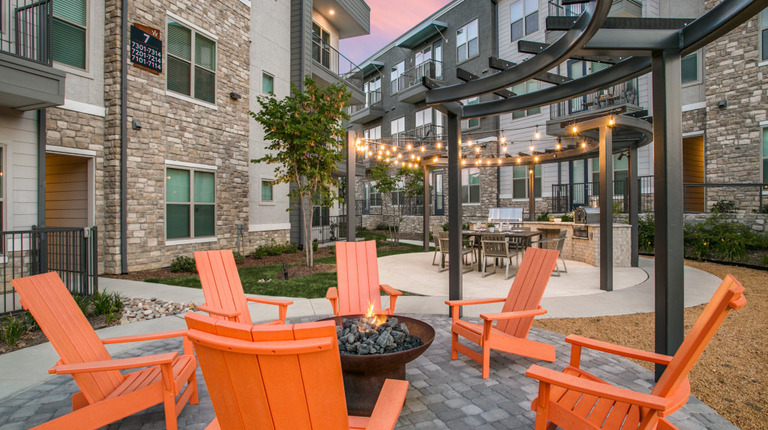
389 19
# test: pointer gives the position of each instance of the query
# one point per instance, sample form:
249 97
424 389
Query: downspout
123 139
41 143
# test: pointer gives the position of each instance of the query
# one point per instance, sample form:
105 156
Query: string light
504 148
439 145
537 135
611 122
536 158
531 148
498 160
477 149
469 143
575 129
558 146
463 162
422 149
410 146
434 160
487 162
503 139
519 160
583 144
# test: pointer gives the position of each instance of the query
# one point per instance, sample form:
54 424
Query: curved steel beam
583 29
713 24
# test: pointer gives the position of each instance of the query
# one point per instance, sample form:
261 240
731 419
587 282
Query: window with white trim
620 174
267 191
68 32
267 83
190 63
764 34
190 203
397 130
373 91
321 45
765 156
373 134
525 88
474 122
524 16
397 81
470 185
520 181
689 68
467 42
424 123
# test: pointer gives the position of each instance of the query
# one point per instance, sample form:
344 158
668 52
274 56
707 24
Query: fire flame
373 318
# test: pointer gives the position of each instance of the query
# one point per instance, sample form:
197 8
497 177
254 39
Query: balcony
409 84
373 109
621 98
349 17
27 80
329 67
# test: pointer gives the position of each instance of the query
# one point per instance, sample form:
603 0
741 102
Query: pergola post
454 207
531 192
427 198
668 201
606 206
634 205
350 195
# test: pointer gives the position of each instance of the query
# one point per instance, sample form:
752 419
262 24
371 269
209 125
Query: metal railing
372 99
432 69
329 57
623 93
70 252
25 29
567 197
555 8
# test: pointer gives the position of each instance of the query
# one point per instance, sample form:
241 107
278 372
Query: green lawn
310 287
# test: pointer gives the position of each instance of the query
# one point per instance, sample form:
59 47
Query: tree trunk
306 216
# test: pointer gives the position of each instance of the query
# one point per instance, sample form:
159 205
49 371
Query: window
439 125
525 88
397 129
68 32
470 185
467 44
321 45
764 34
396 76
524 16
191 63
374 195
437 54
689 68
423 61
765 156
474 122
190 203
2 197
267 83
321 216
398 195
424 123
620 174
520 181
266 190
373 91
373 133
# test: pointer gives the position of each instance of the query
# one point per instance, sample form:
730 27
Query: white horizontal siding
18 137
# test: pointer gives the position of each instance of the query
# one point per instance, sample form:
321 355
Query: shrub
567 217
445 226
646 233
292 248
720 239
84 303
543 217
618 208
13 329
381 226
183 263
105 303
724 207
315 245
239 259
30 322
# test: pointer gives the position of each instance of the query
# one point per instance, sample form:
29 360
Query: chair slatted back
561 240
70 333
528 289
442 240
221 283
494 245
729 295
357 274
271 377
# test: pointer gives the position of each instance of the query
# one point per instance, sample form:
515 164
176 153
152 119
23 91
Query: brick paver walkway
444 394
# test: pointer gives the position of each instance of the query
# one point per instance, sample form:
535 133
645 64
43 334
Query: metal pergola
636 47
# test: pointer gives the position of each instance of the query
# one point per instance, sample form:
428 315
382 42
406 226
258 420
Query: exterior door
439 194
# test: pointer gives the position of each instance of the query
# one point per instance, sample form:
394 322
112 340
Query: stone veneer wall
757 222
177 130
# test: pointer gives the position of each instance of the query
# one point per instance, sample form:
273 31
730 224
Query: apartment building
723 108
172 174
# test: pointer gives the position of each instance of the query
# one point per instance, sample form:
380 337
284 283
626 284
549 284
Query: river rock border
140 309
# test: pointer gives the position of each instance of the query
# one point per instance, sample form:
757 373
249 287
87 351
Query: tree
306 143
407 182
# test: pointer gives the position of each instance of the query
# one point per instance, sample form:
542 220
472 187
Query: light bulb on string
583 144
477 149
532 148
498 160
537 135
434 160
422 149
439 145
487 162
504 148
503 139
410 146
519 160
574 129
557 145
469 143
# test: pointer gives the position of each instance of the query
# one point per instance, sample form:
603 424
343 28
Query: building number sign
146 48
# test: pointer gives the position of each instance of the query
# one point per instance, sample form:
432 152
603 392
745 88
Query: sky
389 19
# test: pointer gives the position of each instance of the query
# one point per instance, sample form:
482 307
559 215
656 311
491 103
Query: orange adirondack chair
357 272
281 377
575 399
224 296
514 322
106 394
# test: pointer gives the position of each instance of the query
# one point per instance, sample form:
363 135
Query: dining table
526 235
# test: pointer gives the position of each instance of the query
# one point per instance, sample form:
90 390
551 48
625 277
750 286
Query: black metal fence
70 252
567 197
25 29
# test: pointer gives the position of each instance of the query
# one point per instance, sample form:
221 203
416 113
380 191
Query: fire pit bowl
364 375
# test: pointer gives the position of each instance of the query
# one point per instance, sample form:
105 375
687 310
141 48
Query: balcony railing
567 197
372 99
558 9
412 77
327 56
25 29
624 93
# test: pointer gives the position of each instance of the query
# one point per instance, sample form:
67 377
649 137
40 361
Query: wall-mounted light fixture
722 104
235 96
136 124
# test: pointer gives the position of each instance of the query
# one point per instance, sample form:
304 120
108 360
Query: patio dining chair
281 377
224 295
466 252
557 244
106 395
576 399
496 247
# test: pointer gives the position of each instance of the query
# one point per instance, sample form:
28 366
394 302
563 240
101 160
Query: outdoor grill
582 216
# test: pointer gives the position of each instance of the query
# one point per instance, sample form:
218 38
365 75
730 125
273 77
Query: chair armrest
283 304
145 337
597 345
473 302
599 389
513 315
389 290
218 312
389 404
116 364
333 296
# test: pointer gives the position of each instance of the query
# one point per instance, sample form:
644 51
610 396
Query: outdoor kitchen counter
587 249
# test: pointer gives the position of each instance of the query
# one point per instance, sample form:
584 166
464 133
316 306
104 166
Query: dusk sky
389 19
